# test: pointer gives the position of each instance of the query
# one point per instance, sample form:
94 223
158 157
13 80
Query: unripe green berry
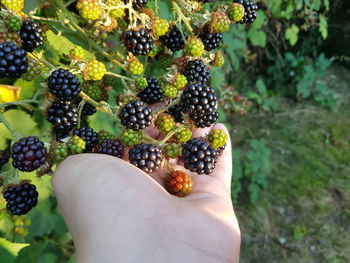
94 70
76 145
180 81
236 12
183 135
77 53
136 67
141 83
59 152
131 137
94 91
165 122
160 27
220 22
104 135
194 47
170 91
34 70
14 23
172 150
217 138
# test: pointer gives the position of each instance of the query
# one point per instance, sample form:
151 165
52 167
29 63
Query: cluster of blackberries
21 198
64 85
199 100
31 35
197 71
250 9
138 42
13 61
174 39
137 4
64 117
153 92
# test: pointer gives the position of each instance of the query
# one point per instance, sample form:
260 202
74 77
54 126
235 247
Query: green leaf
31 254
20 121
260 20
254 192
261 87
292 34
257 37
62 45
9 250
41 224
323 26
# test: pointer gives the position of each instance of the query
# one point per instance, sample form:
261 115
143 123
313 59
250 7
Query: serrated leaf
62 45
31 253
292 34
257 37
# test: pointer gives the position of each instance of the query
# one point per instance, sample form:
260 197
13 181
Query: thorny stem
151 140
118 76
80 110
181 15
42 60
170 134
8 125
174 102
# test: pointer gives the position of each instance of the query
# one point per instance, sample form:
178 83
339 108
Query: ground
304 213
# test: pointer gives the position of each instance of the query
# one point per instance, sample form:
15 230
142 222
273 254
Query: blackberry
21 198
173 40
111 147
198 99
165 122
147 157
14 23
194 47
153 92
63 116
89 136
172 150
179 183
217 138
183 135
4 158
13 61
198 156
103 135
136 115
137 4
202 121
210 40
28 154
88 109
249 11
220 150
31 36
58 151
138 42
176 112
34 70
197 71
64 85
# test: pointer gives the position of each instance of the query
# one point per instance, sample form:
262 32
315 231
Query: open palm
117 213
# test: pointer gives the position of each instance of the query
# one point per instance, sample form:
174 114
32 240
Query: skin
117 213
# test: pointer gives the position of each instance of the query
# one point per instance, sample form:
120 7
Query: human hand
117 213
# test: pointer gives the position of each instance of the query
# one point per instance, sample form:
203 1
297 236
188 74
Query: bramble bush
91 75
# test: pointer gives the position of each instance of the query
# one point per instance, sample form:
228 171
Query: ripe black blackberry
199 99
153 92
89 136
250 9
13 61
4 158
147 157
202 121
31 35
174 39
176 112
137 4
28 154
136 115
88 109
210 40
197 71
221 149
198 156
63 115
21 198
138 42
111 147
64 85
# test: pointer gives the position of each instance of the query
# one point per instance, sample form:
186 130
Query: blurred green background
285 99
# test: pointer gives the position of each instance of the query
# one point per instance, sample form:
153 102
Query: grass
304 214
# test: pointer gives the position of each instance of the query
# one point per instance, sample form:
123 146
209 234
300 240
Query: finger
223 168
